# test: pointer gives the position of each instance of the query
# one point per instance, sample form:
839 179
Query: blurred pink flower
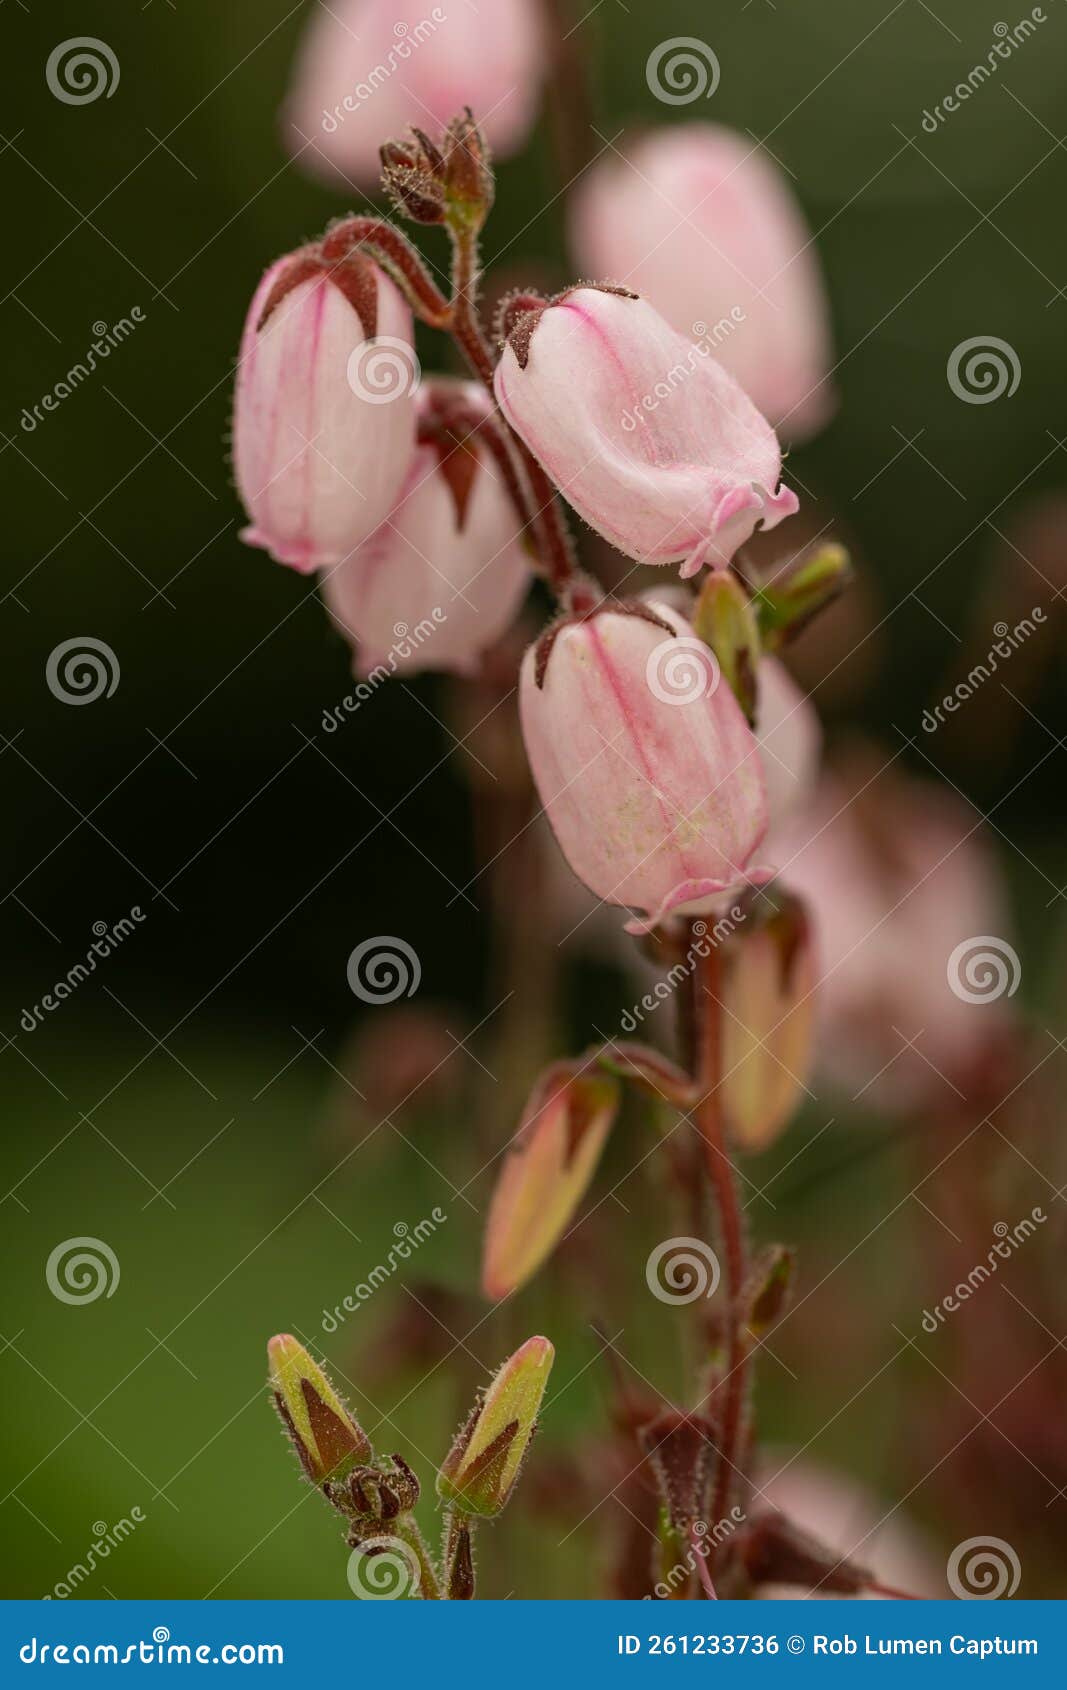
645 434
369 68
906 905
703 223
649 773
790 738
318 455
848 1518
446 572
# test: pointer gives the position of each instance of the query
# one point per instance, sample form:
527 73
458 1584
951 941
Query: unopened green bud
787 604
483 1464
725 619
329 1442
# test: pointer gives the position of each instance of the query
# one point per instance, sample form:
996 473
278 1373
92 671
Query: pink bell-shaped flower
648 771
445 574
650 439
369 68
324 413
701 221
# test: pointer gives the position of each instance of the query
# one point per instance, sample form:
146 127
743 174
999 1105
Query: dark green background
119 520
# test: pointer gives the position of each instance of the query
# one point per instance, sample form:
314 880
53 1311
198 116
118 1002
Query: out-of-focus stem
569 100
708 1113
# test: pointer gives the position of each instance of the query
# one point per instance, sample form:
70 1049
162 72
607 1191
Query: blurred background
246 1135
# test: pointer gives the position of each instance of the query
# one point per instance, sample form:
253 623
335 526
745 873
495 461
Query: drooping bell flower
371 67
444 575
645 434
701 221
648 771
324 412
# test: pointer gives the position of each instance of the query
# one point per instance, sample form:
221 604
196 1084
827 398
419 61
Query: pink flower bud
370 68
446 572
647 769
324 415
652 442
703 223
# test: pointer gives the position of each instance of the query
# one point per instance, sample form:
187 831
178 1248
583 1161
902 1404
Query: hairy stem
703 1570
546 519
385 242
406 1529
724 1186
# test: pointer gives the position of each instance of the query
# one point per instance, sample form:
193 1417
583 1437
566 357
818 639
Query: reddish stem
389 244
546 518
703 1570
721 1173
